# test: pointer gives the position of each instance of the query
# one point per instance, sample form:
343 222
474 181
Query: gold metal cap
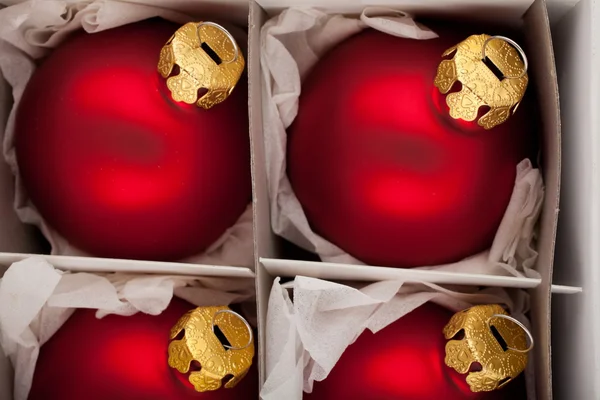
502 358
480 86
208 58
201 344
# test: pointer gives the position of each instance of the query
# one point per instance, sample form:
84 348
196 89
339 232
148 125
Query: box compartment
533 18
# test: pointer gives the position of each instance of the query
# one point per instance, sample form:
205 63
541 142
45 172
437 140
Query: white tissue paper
306 336
36 299
29 30
291 44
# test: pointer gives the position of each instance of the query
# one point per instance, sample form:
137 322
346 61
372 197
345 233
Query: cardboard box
575 350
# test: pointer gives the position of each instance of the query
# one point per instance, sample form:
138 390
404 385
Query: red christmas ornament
405 360
380 167
120 358
116 166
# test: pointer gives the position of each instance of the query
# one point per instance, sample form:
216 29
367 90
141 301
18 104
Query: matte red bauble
116 166
405 360
121 358
380 167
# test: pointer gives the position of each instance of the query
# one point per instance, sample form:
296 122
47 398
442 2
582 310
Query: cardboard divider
534 20
92 264
491 10
332 271
265 243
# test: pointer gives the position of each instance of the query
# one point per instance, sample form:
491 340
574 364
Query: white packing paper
29 30
36 299
306 336
291 44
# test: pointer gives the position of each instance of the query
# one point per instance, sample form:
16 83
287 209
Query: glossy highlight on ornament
199 343
208 57
492 338
480 86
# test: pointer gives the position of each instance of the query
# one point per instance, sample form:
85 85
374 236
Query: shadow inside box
42 245
289 251
36 244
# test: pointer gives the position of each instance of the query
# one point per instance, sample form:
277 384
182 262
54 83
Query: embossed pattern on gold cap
201 344
499 365
480 86
197 69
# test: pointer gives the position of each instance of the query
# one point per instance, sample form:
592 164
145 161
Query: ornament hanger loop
516 46
229 36
523 327
242 319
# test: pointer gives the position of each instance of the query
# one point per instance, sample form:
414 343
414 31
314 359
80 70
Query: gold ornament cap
208 58
480 85
492 338
194 338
